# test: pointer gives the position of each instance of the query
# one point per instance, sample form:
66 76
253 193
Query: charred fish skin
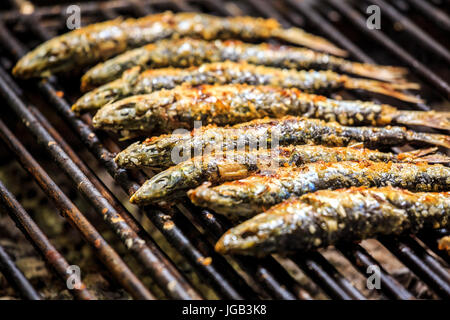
135 82
219 168
246 197
159 151
188 52
230 104
326 217
99 41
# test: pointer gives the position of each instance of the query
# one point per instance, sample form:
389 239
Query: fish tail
302 38
431 119
387 89
429 138
384 73
429 155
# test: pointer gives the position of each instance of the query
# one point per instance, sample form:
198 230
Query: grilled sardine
327 217
100 41
133 82
228 166
165 150
246 197
188 52
167 110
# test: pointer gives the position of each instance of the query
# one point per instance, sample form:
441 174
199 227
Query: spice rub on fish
328 217
228 166
246 197
100 41
165 150
134 82
230 104
188 52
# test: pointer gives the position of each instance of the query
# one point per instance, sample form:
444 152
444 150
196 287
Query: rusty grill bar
188 229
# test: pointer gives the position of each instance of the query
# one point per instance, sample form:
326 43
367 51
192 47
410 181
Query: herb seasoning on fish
159 151
100 41
133 82
246 197
167 110
188 52
227 166
328 217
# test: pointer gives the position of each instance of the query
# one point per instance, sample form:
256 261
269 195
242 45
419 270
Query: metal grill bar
322 24
406 254
307 10
16 278
40 241
280 289
423 38
430 239
164 274
326 276
159 219
361 259
107 255
325 26
358 20
436 16
319 269
267 271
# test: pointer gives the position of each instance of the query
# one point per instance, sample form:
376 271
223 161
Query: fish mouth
256 236
49 57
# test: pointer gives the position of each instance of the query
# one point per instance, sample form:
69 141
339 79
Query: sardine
165 150
100 41
246 197
188 52
167 110
227 166
133 82
324 218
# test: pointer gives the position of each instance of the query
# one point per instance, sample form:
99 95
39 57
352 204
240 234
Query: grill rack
264 277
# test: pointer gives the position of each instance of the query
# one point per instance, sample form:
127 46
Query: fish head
54 54
132 113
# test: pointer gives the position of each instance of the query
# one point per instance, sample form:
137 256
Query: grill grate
189 230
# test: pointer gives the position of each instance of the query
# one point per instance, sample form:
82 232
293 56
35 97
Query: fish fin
388 89
430 138
429 155
385 73
431 119
302 38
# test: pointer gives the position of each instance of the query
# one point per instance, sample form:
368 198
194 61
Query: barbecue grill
413 34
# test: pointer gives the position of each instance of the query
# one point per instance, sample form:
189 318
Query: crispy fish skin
219 168
102 40
167 110
328 217
188 52
163 151
246 197
135 82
